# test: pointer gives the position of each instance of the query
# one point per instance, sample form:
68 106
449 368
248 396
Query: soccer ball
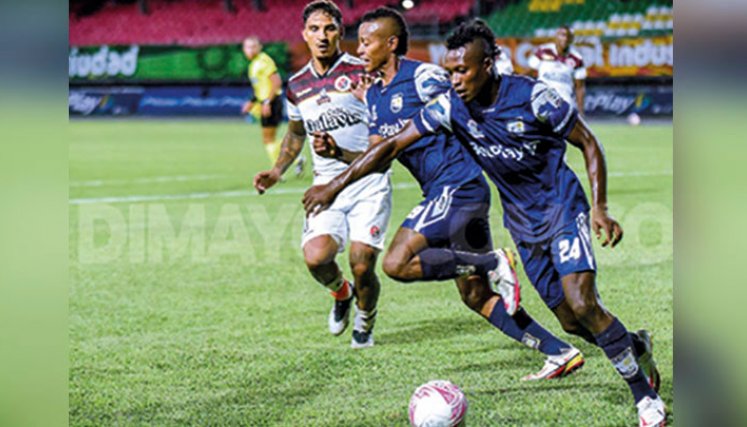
437 403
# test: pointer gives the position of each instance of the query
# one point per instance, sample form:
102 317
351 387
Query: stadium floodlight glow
408 4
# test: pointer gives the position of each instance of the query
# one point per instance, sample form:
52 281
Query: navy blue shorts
456 218
545 263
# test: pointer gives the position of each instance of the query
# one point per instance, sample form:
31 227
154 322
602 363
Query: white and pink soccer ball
437 403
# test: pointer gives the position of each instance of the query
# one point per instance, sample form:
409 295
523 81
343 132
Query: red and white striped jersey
559 71
325 103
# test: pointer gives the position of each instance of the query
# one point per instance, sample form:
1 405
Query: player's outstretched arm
376 158
579 86
596 167
289 150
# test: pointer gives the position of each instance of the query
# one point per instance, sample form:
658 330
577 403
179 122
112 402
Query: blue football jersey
520 143
436 160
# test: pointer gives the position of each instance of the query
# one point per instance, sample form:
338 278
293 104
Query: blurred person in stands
561 67
266 103
503 64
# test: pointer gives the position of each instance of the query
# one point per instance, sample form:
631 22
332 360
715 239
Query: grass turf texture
197 309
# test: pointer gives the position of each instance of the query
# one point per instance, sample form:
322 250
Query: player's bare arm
580 88
596 167
376 157
290 149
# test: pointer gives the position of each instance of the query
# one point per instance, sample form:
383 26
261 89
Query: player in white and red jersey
319 102
561 67
502 60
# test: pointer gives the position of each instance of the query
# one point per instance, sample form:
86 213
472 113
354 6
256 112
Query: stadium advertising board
645 100
625 57
157 101
164 63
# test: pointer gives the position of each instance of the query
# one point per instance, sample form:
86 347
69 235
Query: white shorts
360 213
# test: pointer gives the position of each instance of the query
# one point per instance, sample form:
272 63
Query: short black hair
326 6
468 32
568 30
403 35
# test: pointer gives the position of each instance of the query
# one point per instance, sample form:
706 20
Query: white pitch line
275 191
146 180
205 195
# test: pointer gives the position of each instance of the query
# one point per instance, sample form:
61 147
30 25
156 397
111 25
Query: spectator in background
503 64
266 103
561 67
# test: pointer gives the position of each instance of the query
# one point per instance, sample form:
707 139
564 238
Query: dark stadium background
183 57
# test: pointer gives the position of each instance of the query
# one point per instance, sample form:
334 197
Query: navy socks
524 329
619 348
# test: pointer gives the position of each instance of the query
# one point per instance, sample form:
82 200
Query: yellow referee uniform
260 70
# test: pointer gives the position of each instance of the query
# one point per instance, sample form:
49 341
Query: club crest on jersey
342 84
375 231
517 126
474 130
323 97
397 102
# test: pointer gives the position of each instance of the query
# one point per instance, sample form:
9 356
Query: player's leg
323 237
563 358
271 145
367 221
614 339
426 259
568 322
367 289
469 230
573 259
400 261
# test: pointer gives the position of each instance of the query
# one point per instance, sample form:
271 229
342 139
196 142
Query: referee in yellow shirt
266 101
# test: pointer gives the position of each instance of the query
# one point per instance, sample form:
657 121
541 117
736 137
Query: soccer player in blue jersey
516 128
447 236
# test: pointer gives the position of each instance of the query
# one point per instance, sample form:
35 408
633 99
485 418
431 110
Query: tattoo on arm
292 145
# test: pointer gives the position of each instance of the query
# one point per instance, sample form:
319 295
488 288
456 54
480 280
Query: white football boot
363 329
562 365
504 281
339 315
652 412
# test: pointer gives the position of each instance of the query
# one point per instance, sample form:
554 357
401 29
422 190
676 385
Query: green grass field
190 303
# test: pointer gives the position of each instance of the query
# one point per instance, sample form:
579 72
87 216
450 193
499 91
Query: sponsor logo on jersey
498 151
386 130
396 103
333 119
323 97
474 130
545 101
516 126
342 84
303 92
